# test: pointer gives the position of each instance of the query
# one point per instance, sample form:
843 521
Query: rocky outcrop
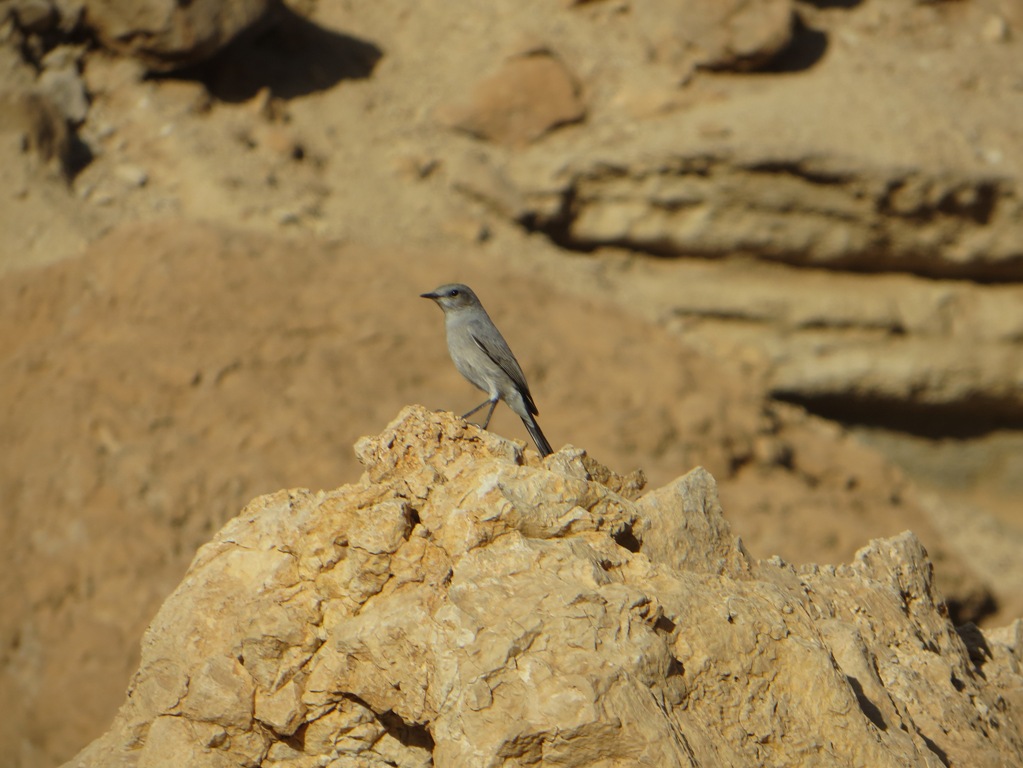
617 48
466 603
796 170
41 95
162 34
528 97
935 357
810 211
165 34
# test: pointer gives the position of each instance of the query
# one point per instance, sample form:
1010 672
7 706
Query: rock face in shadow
469 604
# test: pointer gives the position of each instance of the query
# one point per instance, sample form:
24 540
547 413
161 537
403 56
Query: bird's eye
453 292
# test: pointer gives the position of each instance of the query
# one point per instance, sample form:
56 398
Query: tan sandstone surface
702 224
467 604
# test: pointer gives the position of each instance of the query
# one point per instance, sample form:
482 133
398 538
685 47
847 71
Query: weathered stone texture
469 604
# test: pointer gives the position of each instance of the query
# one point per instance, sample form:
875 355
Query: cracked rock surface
466 603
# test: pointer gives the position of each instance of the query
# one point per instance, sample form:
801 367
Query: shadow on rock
290 55
806 49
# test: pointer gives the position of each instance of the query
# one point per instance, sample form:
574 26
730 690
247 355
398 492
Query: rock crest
466 603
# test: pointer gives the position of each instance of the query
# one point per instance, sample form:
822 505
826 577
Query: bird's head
453 296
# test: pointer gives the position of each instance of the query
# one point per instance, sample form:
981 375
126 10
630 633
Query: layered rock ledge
467 604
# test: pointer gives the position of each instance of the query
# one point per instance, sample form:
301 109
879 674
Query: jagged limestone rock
467 603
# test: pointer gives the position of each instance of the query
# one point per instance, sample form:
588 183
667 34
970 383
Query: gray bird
481 354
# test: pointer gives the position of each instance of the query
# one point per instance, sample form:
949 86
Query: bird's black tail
537 434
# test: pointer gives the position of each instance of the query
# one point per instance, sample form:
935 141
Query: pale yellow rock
282 710
469 604
168 35
527 98
220 691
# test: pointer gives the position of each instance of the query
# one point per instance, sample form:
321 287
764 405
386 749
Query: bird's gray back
483 356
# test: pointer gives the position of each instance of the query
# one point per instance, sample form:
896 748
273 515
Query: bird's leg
493 405
470 413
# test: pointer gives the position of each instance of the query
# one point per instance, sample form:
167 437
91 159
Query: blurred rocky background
777 239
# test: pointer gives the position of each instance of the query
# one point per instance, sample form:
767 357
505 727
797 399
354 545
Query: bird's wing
502 357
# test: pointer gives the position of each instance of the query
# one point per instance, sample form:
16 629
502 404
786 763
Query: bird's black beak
433 296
